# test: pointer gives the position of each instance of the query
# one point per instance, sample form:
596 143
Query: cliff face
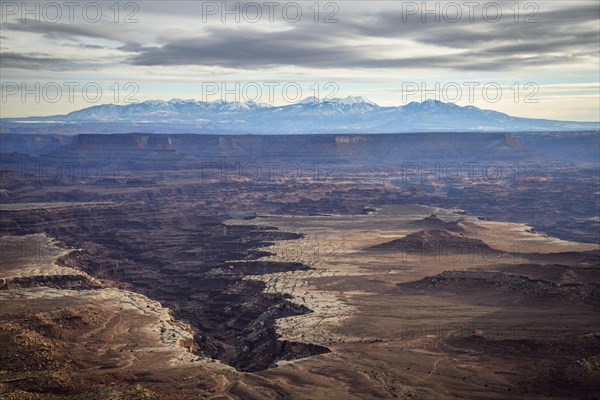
163 150
192 263
392 149
32 144
124 142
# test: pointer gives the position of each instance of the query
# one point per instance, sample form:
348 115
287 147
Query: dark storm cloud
37 61
572 30
394 24
479 61
560 36
68 31
237 48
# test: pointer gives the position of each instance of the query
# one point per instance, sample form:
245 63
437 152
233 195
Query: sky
538 59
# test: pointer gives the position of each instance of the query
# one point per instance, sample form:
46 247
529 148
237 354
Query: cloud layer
552 42
382 38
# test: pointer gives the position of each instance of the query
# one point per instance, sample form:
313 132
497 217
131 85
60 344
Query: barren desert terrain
179 282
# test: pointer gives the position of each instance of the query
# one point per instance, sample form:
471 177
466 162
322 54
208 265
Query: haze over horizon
349 100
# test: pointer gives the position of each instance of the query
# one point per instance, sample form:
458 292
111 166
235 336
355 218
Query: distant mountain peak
309 100
181 101
348 100
350 114
433 101
351 100
154 102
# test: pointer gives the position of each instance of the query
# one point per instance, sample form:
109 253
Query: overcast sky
465 52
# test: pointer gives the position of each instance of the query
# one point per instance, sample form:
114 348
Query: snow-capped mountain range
352 114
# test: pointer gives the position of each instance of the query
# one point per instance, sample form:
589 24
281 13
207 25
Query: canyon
430 265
